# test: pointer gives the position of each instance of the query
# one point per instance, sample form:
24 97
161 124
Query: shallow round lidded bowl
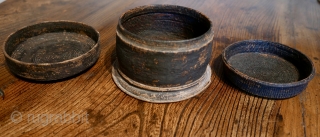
267 69
51 50
163 53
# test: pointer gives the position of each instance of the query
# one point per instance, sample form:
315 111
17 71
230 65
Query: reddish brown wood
221 110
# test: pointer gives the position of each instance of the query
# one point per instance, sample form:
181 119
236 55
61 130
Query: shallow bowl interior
51 42
51 50
267 69
268 62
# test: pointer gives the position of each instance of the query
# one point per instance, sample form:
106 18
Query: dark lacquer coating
267 69
51 50
163 47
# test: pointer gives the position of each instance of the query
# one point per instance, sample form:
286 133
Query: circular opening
51 42
165 22
269 62
265 67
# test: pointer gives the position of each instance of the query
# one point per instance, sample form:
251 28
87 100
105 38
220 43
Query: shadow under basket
163 52
267 69
51 50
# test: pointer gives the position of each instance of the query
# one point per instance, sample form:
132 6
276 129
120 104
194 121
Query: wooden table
90 104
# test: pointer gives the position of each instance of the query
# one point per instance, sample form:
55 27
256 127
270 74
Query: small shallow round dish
267 69
51 50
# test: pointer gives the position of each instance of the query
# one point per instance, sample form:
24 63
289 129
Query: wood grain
221 110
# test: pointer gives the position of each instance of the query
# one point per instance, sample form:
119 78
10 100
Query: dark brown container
51 50
163 53
267 69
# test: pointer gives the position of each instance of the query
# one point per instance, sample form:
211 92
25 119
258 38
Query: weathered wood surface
221 110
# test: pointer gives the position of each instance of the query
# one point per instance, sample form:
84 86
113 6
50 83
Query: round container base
158 96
